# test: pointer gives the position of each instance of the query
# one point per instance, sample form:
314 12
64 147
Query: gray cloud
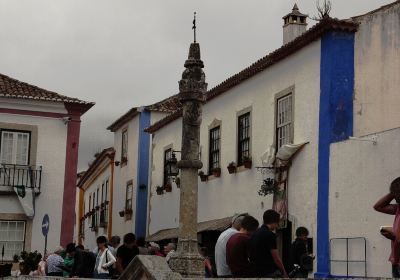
125 53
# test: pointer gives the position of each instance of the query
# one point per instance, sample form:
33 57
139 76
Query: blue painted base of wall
335 124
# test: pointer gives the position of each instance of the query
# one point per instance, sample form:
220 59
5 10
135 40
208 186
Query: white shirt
220 252
101 261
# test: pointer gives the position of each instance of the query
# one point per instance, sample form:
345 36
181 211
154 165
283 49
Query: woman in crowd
104 260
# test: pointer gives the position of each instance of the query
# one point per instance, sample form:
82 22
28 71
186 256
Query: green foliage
31 260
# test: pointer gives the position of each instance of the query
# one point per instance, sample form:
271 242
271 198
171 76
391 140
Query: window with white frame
12 237
284 121
14 147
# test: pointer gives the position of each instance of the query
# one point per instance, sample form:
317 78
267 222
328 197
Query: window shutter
22 148
7 142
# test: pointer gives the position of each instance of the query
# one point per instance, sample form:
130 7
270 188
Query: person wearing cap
54 263
223 269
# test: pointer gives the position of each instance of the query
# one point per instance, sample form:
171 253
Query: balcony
12 175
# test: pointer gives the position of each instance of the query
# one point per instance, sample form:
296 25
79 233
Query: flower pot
231 169
203 178
168 188
216 172
247 164
121 213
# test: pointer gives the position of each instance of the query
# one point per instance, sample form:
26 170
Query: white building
325 86
39 143
95 199
125 170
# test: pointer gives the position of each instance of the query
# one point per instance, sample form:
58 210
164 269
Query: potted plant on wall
232 167
168 187
247 162
203 177
216 172
121 213
159 190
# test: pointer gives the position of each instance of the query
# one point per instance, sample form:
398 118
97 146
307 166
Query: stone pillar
187 260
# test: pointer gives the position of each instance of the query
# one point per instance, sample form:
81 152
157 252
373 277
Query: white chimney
294 25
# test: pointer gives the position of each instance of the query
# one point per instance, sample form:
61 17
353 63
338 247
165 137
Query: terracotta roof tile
168 105
286 50
12 88
106 153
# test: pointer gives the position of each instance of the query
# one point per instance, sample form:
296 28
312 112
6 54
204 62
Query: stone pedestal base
187 261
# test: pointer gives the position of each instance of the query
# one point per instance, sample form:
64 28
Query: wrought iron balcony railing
12 175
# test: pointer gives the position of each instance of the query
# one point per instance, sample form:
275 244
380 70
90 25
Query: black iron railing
12 175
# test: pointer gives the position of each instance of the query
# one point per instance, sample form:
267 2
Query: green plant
16 258
31 260
269 186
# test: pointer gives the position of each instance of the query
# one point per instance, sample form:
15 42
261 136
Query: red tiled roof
12 88
286 50
109 152
168 105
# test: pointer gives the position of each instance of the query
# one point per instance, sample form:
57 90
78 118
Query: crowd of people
247 250
244 250
107 260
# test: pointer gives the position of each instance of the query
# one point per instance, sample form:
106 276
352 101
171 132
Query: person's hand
104 267
388 233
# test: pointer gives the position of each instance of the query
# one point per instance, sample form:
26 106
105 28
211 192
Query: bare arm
119 265
383 205
278 262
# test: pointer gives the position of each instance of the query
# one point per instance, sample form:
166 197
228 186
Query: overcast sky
127 53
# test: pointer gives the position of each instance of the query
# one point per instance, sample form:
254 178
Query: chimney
295 24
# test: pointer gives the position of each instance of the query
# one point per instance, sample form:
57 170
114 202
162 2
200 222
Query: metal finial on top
194 27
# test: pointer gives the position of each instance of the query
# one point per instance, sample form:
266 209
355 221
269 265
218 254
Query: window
90 202
167 157
129 192
14 147
12 237
104 204
124 147
128 200
214 153
284 123
244 138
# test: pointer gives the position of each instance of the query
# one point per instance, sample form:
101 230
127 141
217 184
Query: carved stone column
187 260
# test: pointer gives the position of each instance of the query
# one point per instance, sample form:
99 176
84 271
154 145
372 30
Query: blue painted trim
335 124
143 175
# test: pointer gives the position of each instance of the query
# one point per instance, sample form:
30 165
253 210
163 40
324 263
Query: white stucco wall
361 173
377 72
156 116
51 149
90 236
230 194
124 173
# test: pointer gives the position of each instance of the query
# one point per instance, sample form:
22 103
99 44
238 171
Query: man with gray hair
169 250
220 248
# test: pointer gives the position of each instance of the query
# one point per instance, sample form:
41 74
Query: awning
213 225
288 151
